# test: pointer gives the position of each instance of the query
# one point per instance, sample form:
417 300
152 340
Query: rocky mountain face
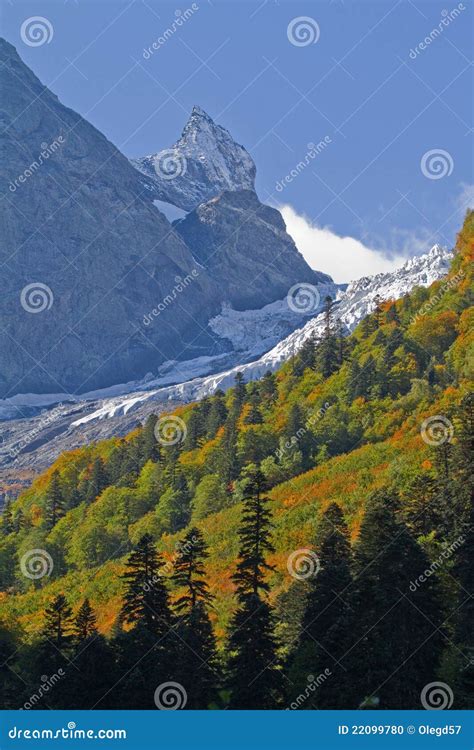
97 286
242 243
236 238
35 441
203 163
85 254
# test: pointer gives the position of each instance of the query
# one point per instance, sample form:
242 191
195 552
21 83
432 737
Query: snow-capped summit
203 163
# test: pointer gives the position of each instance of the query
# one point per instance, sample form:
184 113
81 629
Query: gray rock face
97 287
244 246
203 163
79 223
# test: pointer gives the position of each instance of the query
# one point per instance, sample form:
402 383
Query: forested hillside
298 542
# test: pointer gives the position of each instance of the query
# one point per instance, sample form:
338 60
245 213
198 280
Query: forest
300 542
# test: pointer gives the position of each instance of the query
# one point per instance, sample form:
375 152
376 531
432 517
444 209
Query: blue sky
380 108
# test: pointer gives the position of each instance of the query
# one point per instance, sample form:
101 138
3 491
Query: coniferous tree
355 387
7 518
239 392
297 435
342 344
367 378
464 624
228 463
19 521
54 501
217 415
254 416
146 596
366 327
98 480
268 387
85 623
93 674
377 312
147 653
58 622
255 679
306 357
325 618
9 686
51 653
327 351
391 314
463 460
194 430
150 445
198 666
393 641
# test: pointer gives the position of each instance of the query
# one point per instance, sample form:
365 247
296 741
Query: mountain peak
203 163
198 111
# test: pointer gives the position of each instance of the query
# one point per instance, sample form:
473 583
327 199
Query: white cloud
343 258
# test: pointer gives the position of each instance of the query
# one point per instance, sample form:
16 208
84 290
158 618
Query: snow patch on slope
352 305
